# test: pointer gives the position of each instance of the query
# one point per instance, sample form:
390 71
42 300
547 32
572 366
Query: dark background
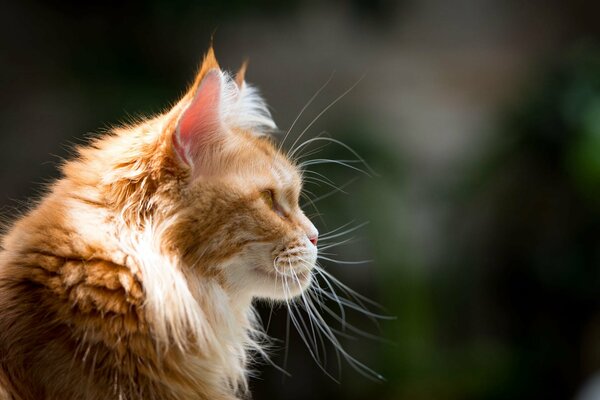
480 117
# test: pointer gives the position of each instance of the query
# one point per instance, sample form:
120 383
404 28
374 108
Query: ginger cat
133 278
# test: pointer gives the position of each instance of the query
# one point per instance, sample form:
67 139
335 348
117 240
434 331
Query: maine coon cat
133 277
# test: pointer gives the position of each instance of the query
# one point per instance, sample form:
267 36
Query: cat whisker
360 262
331 193
344 163
308 103
305 194
311 319
317 181
332 235
295 278
329 333
328 246
293 151
291 307
350 326
319 174
340 143
272 303
313 205
359 298
357 365
304 153
340 301
327 253
315 293
318 322
312 152
287 327
359 308
336 299
317 161
336 229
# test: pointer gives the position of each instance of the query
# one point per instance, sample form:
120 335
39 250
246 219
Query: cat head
236 212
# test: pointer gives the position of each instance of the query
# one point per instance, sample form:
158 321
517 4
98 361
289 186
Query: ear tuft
209 62
241 74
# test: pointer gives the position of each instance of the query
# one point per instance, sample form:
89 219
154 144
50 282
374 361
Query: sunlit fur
134 275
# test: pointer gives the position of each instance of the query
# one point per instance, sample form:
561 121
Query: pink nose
313 240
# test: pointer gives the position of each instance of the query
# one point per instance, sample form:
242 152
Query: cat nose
312 234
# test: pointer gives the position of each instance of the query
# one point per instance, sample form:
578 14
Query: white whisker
293 151
360 262
328 246
340 143
331 161
330 235
308 103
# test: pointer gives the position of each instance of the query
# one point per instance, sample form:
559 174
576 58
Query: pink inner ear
200 121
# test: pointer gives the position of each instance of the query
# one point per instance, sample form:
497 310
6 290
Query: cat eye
269 198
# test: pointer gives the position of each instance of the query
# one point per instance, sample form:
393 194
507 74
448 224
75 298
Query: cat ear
200 123
215 103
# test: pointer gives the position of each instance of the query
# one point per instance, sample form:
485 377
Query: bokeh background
481 119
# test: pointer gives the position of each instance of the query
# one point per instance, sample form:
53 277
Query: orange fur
240 76
133 278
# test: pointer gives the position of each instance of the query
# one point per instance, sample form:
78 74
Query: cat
134 276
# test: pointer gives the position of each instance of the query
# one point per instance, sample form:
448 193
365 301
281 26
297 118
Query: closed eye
268 196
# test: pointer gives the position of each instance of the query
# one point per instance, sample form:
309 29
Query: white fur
243 107
168 298
181 304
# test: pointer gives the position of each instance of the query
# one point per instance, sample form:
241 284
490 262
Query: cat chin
264 283
276 286
254 272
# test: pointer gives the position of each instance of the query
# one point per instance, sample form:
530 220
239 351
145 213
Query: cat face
240 220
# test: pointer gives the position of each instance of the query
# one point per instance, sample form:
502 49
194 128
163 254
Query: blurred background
481 119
